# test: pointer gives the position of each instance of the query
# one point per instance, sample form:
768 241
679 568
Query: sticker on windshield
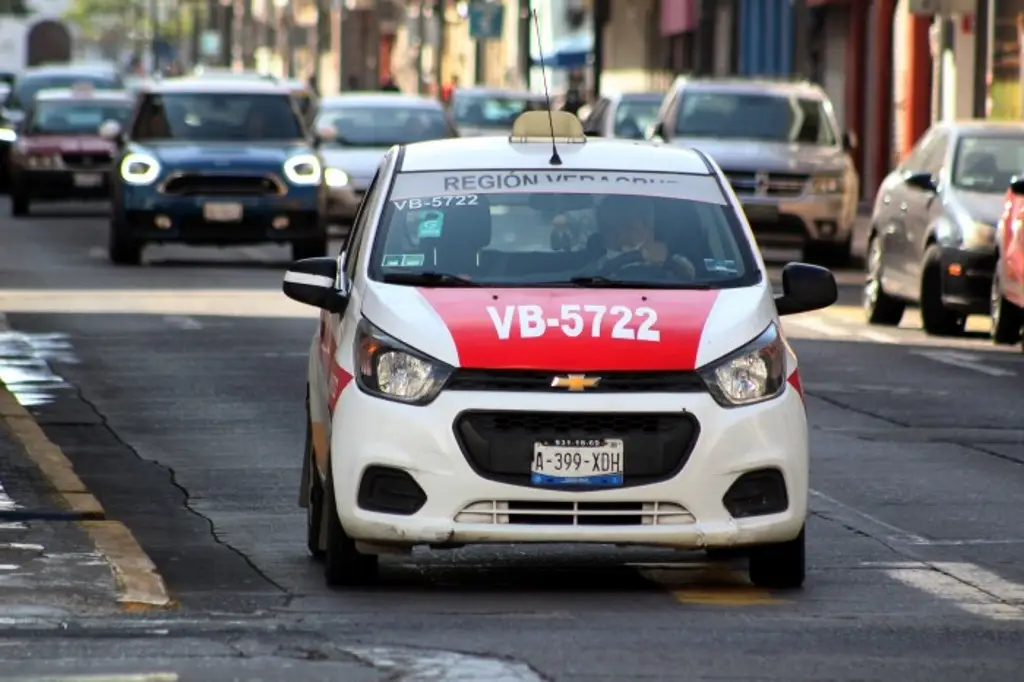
437 202
403 260
431 224
721 265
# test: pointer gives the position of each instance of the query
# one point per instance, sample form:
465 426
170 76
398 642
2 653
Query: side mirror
313 281
806 288
1017 187
110 130
850 141
923 181
325 133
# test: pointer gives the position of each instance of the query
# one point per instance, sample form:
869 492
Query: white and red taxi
542 338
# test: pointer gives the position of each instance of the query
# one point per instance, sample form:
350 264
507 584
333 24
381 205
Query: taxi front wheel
780 566
19 205
344 565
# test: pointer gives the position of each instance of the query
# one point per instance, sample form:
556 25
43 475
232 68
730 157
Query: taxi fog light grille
390 491
539 513
757 493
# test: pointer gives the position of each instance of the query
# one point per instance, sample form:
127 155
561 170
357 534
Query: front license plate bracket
578 462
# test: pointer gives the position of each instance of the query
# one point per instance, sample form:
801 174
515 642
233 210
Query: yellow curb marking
707 584
139 584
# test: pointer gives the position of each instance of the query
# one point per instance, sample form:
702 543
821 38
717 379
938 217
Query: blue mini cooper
216 162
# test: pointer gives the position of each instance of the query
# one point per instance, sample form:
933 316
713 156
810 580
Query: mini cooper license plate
569 462
222 212
87 179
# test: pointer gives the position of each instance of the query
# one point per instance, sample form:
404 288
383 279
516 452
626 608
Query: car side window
915 159
596 118
354 242
936 157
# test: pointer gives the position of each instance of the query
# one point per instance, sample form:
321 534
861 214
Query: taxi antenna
556 160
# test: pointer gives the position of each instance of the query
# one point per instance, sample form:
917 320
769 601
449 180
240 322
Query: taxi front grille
197 184
769 184
537 513
90 161
609 382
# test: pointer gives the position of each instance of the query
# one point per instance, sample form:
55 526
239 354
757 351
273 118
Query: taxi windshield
217 117
364 126
552 229
491 111
76 118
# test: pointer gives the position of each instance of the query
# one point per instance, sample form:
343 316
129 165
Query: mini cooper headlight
140 169
389 369
335 177
753 373
303 169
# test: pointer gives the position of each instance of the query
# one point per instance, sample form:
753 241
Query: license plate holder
761 213
222 212
87 179
569 462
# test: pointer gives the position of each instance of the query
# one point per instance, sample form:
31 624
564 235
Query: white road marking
947 582
424 665
877 337
183 322
964 361
984 580
970 542
895 533
817 326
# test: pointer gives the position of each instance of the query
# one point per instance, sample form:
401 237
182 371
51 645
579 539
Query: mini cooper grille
222 185
771 184
500 512
610 382
81 160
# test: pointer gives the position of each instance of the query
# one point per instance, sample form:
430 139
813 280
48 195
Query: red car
1008 282
59 154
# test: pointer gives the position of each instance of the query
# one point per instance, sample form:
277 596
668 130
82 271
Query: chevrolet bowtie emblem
575 382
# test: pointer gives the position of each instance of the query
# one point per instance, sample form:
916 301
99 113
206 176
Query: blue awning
570 52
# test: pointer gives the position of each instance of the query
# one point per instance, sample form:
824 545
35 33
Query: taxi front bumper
688 506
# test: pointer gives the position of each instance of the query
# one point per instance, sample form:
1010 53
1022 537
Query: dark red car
1008 282
59 154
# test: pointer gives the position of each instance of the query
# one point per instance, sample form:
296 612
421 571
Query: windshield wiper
597 281
429 279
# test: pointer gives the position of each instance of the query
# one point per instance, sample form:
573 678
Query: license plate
569 462
761 212
87 179
222 213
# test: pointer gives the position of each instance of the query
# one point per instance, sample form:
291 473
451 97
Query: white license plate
87 179
566 462
222 213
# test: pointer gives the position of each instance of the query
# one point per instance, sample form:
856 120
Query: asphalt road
177 393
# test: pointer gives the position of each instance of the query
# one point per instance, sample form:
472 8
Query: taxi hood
570 329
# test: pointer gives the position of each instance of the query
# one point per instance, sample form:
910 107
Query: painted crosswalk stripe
965 586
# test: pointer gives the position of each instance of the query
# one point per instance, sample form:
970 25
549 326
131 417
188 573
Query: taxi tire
315 504
1006 317
936 319
19 205
344 565
780 566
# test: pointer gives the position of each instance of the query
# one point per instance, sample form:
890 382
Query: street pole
442 29
525 32
421 31
342 46
602 12
801 33
154 21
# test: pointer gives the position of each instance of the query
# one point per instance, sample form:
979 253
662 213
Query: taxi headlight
303 169
754 373
387 368
335 177
140 169
979 236
827 184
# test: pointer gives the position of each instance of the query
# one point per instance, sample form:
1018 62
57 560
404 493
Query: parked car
60 154
491 111
365 126
1007 306
780 147
216 162
626 115
932 238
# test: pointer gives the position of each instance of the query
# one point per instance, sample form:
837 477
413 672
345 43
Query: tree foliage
14 8
92 17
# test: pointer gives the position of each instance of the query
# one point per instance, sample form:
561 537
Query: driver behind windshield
626 228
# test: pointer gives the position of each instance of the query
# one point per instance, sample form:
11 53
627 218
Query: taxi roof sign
537 125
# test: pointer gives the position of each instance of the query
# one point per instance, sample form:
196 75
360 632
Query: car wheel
315 506
879 307
19 205
344 565
309 248
1006 317
780 565
121 249
935 317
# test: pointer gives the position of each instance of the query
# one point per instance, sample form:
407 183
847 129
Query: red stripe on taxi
577 330
794 381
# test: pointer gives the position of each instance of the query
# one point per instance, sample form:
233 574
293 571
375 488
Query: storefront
766 37
677 26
